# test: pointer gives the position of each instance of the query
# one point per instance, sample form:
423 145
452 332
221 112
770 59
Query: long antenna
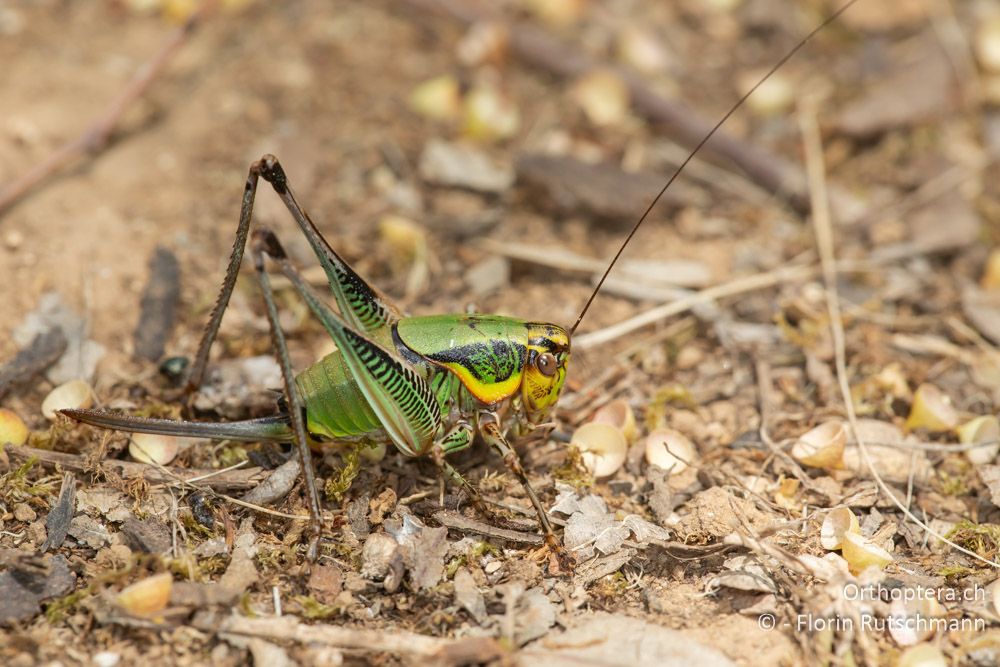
830 19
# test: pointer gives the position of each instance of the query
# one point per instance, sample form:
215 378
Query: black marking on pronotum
409 356
499 358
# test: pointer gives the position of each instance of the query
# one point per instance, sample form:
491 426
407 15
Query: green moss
15 485
952 485
314 609
955 571
192 526
58 609
611 587
666 396
982 539
484 548
272 558
231 455
338 485
158 410
473 554
572 471
452 566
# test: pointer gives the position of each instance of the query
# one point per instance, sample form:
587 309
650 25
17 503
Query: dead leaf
467 595
457 165
606 640
592 527
423 548
990 476
743 573
326 582
22 592
147 535
914 93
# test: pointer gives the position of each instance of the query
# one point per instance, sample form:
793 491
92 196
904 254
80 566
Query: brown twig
229 480
290 629
97 135
536 47
43 351
456 521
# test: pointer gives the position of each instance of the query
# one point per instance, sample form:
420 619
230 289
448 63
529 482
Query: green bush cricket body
425 384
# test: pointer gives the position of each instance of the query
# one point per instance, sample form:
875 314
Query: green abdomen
335 407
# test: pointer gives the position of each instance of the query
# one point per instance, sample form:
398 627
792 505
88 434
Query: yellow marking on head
539 390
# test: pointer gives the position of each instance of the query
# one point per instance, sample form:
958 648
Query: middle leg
296 409
489 426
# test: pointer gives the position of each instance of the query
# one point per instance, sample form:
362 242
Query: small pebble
106 659
689 357
378 554
24 513
492 566
36 532
13 239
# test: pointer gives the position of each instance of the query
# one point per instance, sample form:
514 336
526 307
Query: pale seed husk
619 414
918 610
822 446
373 454
602 446
148 596
13 430
489 115
984 429
670 450
922 655
72 395
775 94
836 525
439 98
603 97
987 44
931 410
154 448
861 554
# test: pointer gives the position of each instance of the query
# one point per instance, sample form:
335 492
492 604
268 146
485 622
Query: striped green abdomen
335 407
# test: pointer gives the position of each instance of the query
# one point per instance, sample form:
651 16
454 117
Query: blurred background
434 152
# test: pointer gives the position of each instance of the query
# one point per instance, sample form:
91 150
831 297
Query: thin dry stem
97 135
824 244
734 287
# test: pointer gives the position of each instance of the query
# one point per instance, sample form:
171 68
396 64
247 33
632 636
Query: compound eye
546 364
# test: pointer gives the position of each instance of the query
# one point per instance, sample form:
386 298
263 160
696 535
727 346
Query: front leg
489 427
